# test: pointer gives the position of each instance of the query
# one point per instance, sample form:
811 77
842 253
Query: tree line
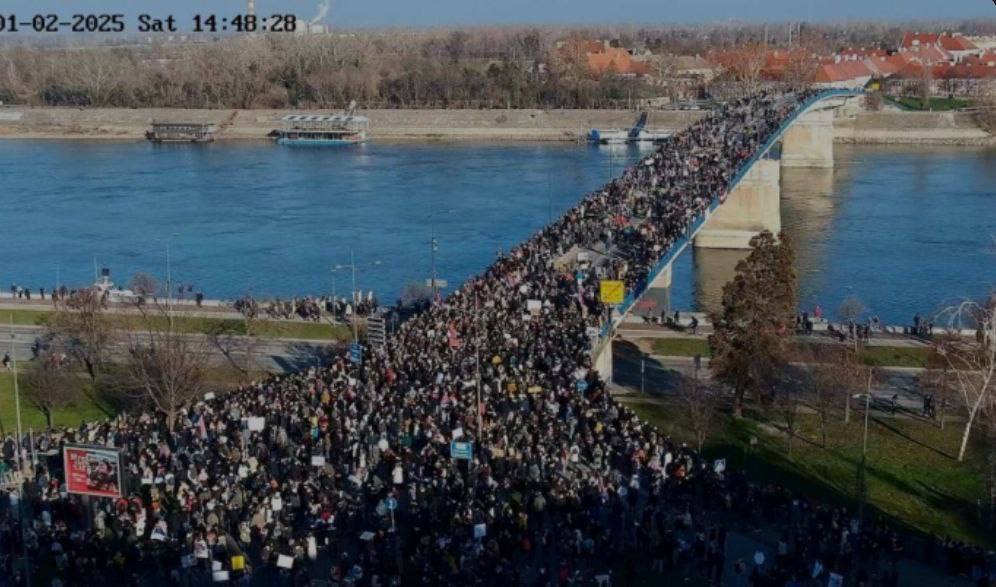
504 67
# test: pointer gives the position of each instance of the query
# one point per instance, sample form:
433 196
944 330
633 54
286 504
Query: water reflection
903 229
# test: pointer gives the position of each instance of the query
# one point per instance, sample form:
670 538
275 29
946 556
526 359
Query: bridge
752 204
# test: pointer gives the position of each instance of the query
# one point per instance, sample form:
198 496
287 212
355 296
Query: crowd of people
351 476
310 308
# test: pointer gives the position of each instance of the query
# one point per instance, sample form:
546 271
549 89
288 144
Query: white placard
367 536
480 530
534 305
317 460
255 424
215 565
719 466
457 433
209 396
285 562
592 331
219 576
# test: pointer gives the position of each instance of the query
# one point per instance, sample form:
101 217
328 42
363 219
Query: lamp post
169 280
19 454
434 246
352 267
862 489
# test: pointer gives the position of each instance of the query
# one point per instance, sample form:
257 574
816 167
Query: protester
351 478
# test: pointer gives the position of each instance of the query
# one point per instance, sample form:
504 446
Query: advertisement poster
92 470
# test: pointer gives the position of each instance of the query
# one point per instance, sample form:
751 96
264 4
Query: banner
612 292
92 470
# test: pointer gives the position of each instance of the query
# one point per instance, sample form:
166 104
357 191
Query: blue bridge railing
693 228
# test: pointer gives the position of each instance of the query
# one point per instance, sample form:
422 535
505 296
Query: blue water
904 230
268 220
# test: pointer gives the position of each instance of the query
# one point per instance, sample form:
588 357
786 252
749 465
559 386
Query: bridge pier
809 141
754 205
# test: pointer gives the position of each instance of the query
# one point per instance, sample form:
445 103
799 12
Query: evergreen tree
752 331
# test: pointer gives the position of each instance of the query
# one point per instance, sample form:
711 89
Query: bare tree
82 328
787 404
924 85
164 367
985 117
239 342
49 384
144 284
873 101
971 361
743 65
850 312
700 408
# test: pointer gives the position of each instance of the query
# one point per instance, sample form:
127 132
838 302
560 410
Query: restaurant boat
323 130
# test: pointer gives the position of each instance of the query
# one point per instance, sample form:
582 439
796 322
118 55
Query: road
275 355
635 370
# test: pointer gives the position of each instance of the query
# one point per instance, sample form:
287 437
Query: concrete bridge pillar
754 205
809 141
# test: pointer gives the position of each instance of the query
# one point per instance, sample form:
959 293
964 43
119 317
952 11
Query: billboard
92 470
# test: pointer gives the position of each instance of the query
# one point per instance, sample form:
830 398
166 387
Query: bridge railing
679 245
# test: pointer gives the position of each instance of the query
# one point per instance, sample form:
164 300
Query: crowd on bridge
351 478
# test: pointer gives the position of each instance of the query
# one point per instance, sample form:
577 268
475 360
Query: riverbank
389 125
887 127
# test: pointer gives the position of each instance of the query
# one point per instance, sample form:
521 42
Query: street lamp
352 267
434 246
169 280
19 453
862 489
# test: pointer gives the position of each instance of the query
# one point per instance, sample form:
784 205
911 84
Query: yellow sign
238 563
612 292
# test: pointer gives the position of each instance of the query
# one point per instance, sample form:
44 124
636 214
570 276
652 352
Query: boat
639 133
323 130
180 132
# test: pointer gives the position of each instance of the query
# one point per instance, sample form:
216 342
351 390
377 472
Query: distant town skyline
378 13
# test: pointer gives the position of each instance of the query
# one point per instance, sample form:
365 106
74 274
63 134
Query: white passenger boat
323 130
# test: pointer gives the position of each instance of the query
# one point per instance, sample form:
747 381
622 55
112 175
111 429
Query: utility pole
862 489
169 286
20 459
356 332
477 353
433 245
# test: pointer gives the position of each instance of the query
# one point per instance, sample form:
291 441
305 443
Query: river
902 229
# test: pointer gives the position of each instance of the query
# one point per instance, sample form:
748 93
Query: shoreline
465 126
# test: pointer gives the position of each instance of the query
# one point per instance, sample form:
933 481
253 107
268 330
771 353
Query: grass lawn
936 104
24 317
913 476
197 324
31 418
878 356
681 347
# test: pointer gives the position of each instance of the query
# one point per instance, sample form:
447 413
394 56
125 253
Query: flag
201 427
454 338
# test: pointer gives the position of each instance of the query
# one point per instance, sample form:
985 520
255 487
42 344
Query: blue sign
582 385
391 503
461 450
356 353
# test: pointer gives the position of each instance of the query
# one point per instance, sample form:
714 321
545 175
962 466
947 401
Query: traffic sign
612 292
376 331
462 450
